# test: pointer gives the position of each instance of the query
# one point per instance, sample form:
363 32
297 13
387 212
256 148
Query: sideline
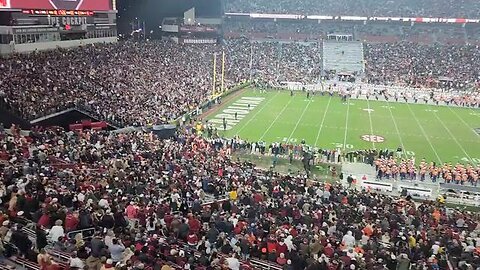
229 97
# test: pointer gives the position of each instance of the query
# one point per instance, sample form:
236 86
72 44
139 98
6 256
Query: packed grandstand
402 8
97 199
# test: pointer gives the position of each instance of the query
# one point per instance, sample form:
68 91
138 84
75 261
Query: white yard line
276 118
424 134
371 124
259 111
463 121
453 136
396 128
299 120
346 124
323 121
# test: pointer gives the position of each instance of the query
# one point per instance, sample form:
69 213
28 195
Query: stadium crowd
155 82
148 200
406 8
125 83
421 65
184 203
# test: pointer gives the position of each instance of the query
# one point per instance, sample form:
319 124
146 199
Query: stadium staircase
343 56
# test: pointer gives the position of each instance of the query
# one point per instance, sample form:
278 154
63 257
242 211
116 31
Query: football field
436 133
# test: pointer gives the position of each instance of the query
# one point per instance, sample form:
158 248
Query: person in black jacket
41 237
97 246
21 241
107 221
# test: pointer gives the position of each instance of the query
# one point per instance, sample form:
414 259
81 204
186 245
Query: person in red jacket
71 221
328 251
271 245
44 220
194 224
281 247
192 239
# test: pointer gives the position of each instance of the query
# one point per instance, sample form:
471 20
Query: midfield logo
66 4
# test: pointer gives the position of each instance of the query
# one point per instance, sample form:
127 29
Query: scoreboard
96 5
30 25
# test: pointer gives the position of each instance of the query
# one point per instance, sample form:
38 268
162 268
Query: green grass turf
436 133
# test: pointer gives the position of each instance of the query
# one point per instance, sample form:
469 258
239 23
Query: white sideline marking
463 121
370 119
396 128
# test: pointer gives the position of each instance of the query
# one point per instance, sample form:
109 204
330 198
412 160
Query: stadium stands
422 65
133 201
425 8
271 222
143 87
101 79
343 56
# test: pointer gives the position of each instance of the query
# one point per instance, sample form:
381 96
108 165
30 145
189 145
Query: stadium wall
42 46
8 118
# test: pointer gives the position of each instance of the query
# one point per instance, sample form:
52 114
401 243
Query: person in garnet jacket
194 224
281 248
71 221
192 239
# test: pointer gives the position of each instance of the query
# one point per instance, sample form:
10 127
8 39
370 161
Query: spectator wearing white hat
108 265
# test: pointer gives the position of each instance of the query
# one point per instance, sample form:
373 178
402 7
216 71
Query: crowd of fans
443 95
422 65
156 82
405 8
143 83
295 62
184 203
125 83
144 197
373 31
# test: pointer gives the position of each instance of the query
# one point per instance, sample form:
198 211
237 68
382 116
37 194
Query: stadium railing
87 233
26 264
